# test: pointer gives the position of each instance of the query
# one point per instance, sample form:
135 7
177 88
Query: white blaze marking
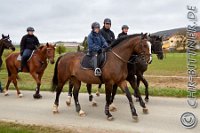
149 44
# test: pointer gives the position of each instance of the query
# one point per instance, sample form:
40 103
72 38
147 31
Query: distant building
68 44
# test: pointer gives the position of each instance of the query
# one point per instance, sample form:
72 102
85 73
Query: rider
124 31
96 44
108 35
29 42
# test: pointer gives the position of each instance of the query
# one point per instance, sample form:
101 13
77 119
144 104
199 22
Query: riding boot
97 71
20 67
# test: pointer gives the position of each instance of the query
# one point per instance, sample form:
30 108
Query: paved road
163 117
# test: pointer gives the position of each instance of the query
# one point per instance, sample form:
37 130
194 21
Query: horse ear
149 35
54 45
8 35
2 35
47 44
145 35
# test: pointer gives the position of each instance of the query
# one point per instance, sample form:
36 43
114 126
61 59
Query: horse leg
16 87
69 97
108 88
56 103
112 107
77 85
146 88
7 85
38 81
91 98
123 86
137 93
98 90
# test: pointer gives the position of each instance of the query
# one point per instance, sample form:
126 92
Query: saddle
19 58
87 62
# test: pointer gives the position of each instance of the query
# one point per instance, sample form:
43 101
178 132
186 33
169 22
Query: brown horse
36 66
68 67
5 43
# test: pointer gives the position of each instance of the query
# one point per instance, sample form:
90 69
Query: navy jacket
96 42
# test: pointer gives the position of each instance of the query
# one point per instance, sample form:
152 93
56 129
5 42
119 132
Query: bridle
6 39
143 55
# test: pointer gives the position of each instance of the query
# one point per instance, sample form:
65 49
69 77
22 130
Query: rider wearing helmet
29 42
106 32
124 31
96 43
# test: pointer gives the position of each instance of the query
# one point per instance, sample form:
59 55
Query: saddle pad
19 57
87 62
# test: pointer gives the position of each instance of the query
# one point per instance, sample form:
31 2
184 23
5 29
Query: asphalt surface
163 117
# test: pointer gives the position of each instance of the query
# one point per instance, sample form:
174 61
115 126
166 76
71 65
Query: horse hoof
135 118
137 100
110 118
20 95
82 113
146 99
55 109
112 108
94 103
6 93
68 102
145 110
98 94
37 96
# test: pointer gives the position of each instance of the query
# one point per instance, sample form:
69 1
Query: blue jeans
25 56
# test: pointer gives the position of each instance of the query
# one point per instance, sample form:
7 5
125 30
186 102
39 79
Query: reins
129 62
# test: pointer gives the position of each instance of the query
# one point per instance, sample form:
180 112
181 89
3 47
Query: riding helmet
107 20
95 25
30 29
125 27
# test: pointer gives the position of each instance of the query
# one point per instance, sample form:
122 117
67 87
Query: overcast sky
70 20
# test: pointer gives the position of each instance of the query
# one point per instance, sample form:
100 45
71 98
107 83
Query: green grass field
174 64
8 127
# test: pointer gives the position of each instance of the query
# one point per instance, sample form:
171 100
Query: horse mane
120 39
40 47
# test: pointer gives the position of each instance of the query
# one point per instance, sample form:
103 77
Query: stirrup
97 72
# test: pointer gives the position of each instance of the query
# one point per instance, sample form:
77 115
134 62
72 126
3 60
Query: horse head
7 43
156 46
145 48
50 52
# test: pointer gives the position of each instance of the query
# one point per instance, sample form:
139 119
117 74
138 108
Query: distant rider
29 42
96 44
124 31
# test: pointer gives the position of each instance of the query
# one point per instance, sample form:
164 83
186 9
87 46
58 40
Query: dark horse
36 66
68 67
137 66
5 43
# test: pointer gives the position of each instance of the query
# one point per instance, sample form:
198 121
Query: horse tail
55 76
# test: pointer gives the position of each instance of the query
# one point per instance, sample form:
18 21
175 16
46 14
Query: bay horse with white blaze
68 67
36 66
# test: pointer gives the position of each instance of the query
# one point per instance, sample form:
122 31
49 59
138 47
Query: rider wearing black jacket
28 43
124 31
108 35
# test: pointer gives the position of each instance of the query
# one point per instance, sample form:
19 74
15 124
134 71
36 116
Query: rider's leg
26 54
97 70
